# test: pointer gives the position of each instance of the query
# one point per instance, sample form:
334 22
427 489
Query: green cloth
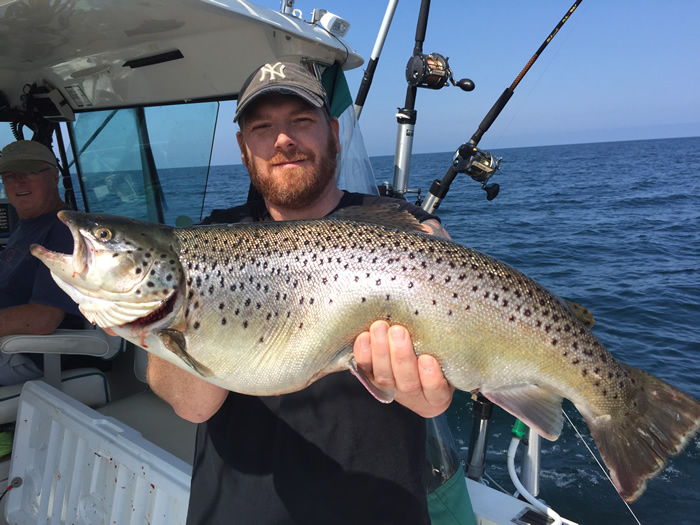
449 504
333 80
6 443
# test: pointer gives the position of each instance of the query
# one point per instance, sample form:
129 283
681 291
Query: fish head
121 270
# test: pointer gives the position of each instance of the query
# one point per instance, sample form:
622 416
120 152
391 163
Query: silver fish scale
286 300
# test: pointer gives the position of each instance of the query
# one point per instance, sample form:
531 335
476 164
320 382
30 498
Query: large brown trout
268 308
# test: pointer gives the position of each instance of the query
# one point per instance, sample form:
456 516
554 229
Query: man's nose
285 139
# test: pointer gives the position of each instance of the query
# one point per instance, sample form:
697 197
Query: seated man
30 301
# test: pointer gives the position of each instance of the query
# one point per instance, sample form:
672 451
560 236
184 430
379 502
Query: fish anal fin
380 394
174 340
534 406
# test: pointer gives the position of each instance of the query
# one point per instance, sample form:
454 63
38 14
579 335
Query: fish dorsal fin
388 215
534 406
582 313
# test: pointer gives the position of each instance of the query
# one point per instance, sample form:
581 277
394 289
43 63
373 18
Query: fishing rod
425 71
480 165
374 58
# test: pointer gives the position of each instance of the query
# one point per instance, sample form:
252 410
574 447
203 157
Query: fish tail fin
636 445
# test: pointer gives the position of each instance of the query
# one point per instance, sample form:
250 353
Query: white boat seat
88 385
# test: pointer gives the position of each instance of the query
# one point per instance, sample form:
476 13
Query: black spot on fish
223 321
554 342
196 325
137 271
150 284
245 324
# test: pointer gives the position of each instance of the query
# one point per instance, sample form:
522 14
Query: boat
129 93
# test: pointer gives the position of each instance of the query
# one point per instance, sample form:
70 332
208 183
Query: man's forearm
34 319
192 398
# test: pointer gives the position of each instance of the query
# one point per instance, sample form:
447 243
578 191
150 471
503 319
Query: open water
614 226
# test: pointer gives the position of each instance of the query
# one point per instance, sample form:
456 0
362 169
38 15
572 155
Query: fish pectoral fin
582 313
174 340
380 394
534 406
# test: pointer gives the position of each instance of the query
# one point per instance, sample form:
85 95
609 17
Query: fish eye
103 234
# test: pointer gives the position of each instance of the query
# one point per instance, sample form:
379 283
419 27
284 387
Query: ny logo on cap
274 70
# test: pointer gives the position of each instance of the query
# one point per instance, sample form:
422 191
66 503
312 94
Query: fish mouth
81 252
58 262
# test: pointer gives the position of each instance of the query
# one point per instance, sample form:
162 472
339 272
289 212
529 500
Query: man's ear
241 146
335 126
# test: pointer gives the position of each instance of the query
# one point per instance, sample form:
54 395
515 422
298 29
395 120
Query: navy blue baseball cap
282 77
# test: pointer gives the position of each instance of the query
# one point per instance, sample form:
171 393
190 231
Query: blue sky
618 70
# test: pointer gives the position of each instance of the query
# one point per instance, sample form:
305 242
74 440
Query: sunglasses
17 176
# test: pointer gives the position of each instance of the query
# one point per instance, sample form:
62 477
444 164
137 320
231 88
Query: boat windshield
146 163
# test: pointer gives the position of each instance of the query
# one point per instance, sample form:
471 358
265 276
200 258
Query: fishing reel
433 71
480 165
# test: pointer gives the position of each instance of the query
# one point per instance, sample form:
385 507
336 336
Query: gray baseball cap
26 156
282 77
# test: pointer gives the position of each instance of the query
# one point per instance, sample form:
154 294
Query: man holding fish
264 307
329 453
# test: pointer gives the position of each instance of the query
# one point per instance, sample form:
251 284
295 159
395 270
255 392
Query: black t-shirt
329 454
